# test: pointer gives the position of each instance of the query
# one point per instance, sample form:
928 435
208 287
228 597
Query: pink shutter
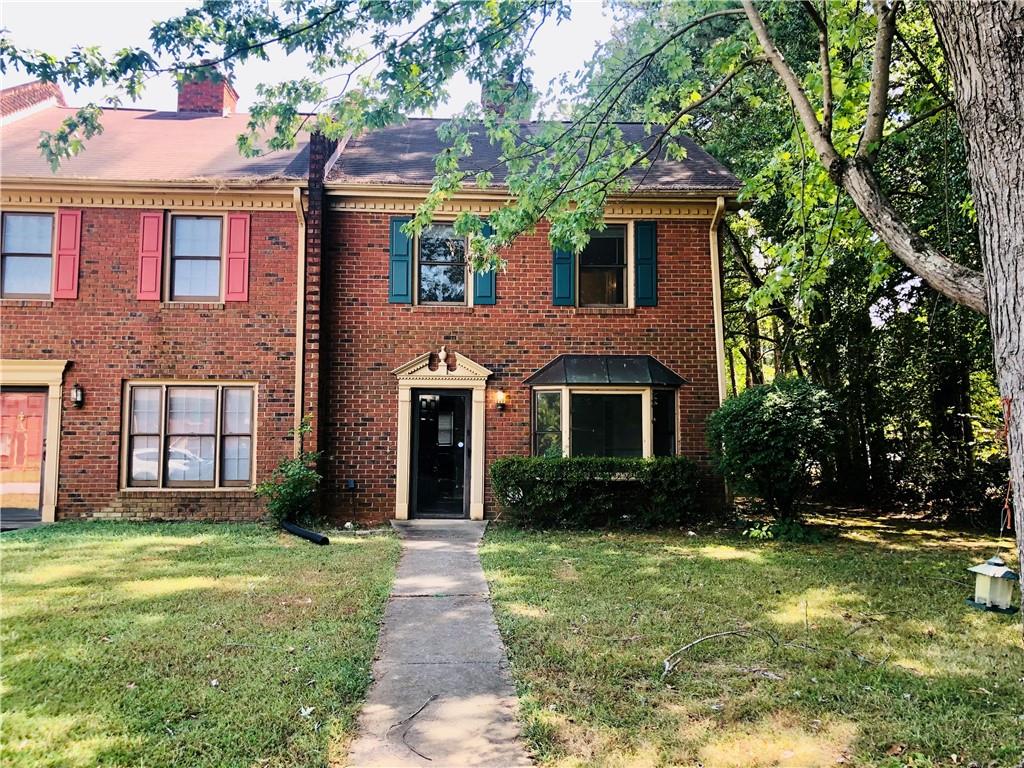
69 247
151 255
237 281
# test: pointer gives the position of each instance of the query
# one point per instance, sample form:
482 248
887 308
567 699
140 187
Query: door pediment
417 372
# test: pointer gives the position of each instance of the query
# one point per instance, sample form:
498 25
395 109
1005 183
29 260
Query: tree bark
984 47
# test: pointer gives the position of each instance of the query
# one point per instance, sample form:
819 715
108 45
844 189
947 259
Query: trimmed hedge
587 492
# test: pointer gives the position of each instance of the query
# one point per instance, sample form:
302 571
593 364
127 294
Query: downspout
716 293
300 319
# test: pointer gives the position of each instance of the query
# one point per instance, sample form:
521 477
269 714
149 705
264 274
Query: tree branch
878 97
961 284
825 61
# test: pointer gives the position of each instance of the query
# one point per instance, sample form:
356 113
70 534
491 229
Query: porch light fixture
500 399
77 395
993 586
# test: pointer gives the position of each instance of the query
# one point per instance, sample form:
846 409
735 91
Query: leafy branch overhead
372 62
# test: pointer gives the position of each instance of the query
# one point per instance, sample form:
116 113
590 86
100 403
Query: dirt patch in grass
184 645
861 650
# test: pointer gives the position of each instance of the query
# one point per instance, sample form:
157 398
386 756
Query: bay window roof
605 370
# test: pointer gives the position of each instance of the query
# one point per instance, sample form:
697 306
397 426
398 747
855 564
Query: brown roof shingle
404 154
140 145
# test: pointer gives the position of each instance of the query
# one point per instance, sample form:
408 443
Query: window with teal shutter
484 288
646 260
400 264
563 278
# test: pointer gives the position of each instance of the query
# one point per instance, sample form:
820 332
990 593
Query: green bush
770 440
292 487
586 492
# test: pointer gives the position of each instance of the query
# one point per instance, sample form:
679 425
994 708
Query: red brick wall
207 96
109 337
370 337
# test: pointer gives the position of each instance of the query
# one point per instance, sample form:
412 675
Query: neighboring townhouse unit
201 303
148 323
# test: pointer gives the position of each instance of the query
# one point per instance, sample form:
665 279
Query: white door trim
464 374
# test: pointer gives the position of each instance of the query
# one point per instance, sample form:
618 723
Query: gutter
300 319
716 293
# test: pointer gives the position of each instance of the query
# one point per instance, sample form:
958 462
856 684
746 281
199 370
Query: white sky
55 26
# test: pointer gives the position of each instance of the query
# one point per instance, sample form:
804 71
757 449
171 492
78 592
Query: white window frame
468 301
164 385
48 296
646 412
630 271
168 259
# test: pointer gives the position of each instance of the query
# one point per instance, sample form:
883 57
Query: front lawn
185 645
879 662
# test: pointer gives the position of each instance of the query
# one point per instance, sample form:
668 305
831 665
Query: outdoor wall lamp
500 399
77 395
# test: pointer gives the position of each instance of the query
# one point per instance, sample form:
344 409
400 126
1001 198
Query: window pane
547 444
442 283
548 412
439 242
27 275
663 407
27 233
190 459
445 422
235 463
196 237
191 410
145 457
237 411
602 286
607 425
199 278
145 410
607 248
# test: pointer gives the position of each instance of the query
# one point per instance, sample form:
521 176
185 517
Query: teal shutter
646 261
484 289
400 264
563 278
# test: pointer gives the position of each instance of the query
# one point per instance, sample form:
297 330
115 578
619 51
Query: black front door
440 444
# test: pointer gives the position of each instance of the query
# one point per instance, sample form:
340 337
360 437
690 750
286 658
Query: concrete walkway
441 694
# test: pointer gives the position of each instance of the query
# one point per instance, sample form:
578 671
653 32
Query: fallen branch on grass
676 656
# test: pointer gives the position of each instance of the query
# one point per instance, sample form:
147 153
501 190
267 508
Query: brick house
169 310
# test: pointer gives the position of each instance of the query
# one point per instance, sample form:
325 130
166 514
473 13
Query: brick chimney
214 95
28 97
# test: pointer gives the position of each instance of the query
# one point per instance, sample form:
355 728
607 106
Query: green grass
879 662
114 633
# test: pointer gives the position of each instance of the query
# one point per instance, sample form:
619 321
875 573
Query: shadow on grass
876 659
185 645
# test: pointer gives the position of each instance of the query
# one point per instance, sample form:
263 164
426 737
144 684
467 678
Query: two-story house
170 310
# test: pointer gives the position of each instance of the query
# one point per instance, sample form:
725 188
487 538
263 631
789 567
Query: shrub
292 486
769 440
588 492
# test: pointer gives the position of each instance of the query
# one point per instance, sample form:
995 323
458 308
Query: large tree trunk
984 47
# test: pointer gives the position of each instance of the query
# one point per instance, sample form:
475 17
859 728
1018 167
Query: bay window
581 421
189 436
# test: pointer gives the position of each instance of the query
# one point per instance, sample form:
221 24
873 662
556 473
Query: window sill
192 305
605 311
26 302
240 492
457 308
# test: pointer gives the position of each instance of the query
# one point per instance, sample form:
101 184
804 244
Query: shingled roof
141 145
404 154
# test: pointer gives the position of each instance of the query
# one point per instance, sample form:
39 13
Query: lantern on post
993 586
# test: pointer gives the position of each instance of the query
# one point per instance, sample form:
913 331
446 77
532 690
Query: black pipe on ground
305 533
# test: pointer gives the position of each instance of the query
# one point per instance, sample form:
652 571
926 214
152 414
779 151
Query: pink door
22 432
